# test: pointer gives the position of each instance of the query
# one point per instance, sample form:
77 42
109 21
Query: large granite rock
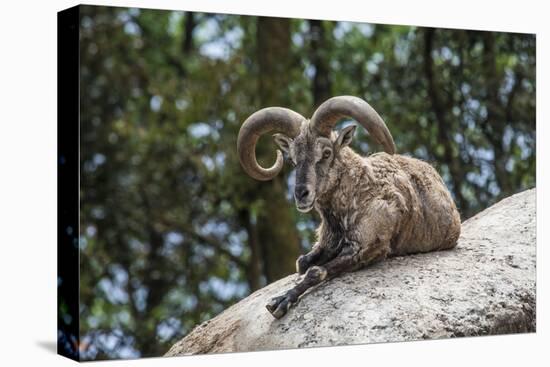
486 285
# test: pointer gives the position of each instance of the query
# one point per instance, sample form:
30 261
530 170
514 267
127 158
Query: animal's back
432 219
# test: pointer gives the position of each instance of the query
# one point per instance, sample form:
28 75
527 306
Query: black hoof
279 306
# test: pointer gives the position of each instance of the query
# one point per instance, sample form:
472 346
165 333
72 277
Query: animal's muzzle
304 197
301 193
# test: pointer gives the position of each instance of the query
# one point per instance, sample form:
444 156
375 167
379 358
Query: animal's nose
301 192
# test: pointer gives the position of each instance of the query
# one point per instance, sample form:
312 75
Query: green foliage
173 231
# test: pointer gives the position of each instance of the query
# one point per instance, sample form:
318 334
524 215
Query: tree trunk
439 106
189 24
254 268
318 43
277 234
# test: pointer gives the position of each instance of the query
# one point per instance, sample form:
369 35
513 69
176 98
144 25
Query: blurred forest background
173 231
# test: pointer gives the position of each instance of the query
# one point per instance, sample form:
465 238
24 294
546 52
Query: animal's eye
326 153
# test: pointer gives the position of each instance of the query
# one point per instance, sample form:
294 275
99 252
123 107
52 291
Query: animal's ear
345 137
283 142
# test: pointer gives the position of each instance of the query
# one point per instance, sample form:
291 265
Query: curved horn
336 108
271 119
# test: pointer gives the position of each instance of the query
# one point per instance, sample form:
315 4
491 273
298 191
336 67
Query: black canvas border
68 121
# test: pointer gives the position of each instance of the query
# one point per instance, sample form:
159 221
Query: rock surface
486 285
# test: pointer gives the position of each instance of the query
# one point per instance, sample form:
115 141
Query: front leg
279 306
304 262
319 255
370 243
